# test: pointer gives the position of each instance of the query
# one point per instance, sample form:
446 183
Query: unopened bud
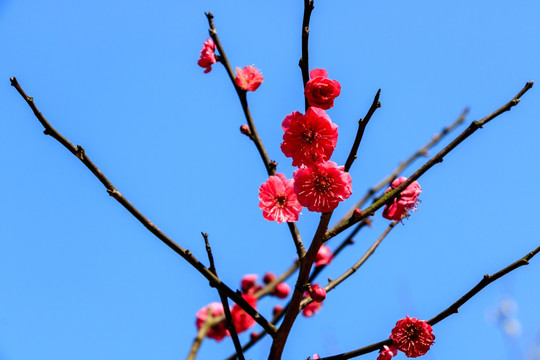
282 290
357 213
317 293
254 336
269 277
244 129
277 310
248 281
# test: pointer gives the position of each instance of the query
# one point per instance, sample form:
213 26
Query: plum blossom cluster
309 139
241 320
412 336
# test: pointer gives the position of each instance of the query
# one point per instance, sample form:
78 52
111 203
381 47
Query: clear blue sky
81 279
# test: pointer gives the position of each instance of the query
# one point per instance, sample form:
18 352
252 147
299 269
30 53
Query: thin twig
362 123
304 60
254 136
332 284
224 302
423 151
390 195
201 334
452 309
112 191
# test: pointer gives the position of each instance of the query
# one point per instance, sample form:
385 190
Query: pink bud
357 213
254 336
282 290
277 310
269 277
317 293
248 281
316 357
244 129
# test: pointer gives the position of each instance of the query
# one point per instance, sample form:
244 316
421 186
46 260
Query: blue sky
81 279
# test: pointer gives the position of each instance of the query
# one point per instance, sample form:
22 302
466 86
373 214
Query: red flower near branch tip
309 139
278 200
321 91
249 78
322 186
405 202
412 336
208 57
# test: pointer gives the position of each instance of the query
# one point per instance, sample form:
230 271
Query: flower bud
317 293
282 290
277 310
244 129
248 281
269 277
357 213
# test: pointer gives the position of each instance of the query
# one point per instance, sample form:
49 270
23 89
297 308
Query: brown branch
224 302
201 334
362 123
452 309
112 191
304 60
254 135
332 284
389 196
423 151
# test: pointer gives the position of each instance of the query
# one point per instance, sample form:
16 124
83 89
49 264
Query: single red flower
405 202
412 336
249 78
278 200
324 256
321 91
218 331
387 352
309 139
322 186
241 320
208 57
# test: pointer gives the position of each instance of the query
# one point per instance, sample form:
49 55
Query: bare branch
304 60
112 191
389 196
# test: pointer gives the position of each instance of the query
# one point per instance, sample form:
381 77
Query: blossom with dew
282 290
404 202
317 293
249 78
412 336
241 319
321 187
324 256
248 282
218 331
208 56
321 91
278 200
309 139
387 352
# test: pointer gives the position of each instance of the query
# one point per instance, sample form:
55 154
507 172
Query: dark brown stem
452 309
112 191
201 334
304 60
294 306
224 302
362 123
254 136
332 284
389 196
423 151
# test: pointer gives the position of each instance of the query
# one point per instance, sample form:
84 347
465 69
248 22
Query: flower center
322 183
308 136
412 333
281 200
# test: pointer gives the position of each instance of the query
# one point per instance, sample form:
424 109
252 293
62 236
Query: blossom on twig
405 202
249 78
208 56
412 336
278 201
219 330
321 91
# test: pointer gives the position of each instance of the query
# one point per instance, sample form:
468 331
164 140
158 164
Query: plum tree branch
452 309
304 60
254 135
390 195
224 302
79 152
